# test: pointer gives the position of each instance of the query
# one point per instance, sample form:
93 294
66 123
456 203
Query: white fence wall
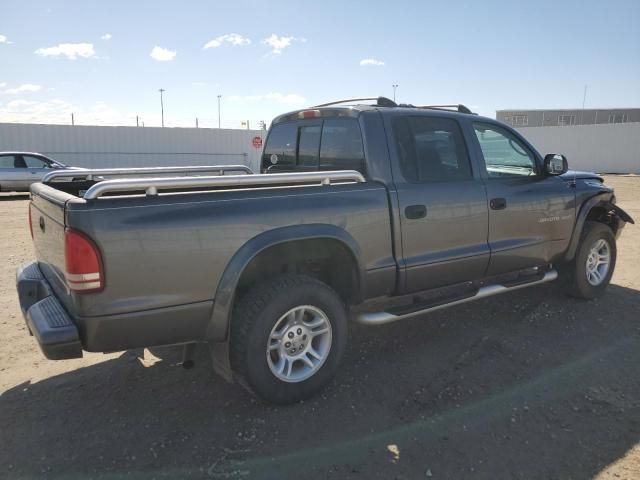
611 148
97 146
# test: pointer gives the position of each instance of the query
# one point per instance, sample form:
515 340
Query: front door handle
498 203
413 212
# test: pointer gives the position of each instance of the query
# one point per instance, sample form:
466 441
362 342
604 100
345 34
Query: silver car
18 170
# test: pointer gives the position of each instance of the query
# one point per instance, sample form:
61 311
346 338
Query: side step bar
378 318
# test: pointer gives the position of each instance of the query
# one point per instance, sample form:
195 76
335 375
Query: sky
105 61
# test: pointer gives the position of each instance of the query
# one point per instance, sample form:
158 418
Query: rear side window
7 161
332 144
431 150
341 146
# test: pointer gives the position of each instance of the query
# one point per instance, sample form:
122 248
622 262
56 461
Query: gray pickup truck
377 212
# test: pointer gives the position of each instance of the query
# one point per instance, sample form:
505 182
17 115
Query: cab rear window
330 144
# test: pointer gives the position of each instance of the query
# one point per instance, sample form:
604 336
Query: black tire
257 313
574 273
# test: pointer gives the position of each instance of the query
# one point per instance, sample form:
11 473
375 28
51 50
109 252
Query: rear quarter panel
172 249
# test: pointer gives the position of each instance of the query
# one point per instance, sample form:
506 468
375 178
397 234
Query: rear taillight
30 224
83 265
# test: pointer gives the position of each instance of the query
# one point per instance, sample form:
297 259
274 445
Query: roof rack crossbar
380 102
459 107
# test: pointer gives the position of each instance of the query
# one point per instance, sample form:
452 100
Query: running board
378 318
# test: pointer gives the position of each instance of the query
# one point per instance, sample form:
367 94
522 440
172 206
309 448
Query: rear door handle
413 212
498 203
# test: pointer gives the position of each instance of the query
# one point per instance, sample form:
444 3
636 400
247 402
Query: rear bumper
62 336
46 319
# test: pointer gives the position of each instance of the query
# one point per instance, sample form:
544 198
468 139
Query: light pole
162 90
219 96
394 91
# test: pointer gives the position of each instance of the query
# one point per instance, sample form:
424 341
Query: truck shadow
13 197
531 385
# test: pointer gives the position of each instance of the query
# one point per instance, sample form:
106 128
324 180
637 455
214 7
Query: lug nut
290 335
299 332
292 351
287 345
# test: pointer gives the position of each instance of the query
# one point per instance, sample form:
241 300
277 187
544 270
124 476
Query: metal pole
196 122
394 91
72 119
584 99
219 110
137 121
162 90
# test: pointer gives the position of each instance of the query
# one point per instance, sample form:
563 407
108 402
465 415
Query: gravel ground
530 384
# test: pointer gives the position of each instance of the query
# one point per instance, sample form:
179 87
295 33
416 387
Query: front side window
431 149
520 120
7 161
504 154
617 118
566 120
35 162
341 146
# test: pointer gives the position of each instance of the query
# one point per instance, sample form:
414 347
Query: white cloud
4 39
278 44
365 62
70 50
25 87
231 38
277 97
26 111
162 54
106 36
2 84
59 111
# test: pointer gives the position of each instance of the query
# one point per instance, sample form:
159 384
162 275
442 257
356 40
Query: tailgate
48 223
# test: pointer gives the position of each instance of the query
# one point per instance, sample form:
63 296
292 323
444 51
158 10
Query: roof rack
459 107
386 102
90 173
380 102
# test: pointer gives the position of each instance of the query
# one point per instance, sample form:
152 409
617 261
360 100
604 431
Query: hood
578 175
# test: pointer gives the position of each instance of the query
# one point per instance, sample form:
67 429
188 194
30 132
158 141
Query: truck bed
164 254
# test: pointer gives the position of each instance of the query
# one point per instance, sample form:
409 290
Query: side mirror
555 164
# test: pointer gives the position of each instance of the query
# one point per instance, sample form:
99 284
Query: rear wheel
287 338
589 274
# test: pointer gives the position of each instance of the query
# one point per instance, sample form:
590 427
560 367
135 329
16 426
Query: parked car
18 170
377 212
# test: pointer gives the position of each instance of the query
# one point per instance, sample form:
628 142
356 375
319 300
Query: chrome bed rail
151 186
90 173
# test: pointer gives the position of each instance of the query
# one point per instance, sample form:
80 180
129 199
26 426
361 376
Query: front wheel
287 338
590 272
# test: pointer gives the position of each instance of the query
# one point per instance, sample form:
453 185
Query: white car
18 170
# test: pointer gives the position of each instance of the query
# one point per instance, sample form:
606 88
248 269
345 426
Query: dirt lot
528 385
